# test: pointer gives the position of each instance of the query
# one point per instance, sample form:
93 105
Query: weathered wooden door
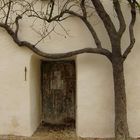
58 90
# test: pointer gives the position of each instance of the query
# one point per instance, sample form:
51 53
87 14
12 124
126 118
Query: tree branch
65 12
131 30
83 18
44 36
57 17
89 26
118 10
52 9
17 24
57 55
82 4
105 18
9 8
93 33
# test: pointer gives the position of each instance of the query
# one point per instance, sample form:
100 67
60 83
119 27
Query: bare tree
13 11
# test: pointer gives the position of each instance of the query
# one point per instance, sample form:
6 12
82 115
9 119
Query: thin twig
44 36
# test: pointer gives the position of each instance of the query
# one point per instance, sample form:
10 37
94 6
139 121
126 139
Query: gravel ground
44 133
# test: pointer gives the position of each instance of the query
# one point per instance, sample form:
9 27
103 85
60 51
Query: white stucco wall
14 91
20 102
95 100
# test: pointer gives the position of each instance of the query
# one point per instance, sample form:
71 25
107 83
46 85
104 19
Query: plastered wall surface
14 91
95 99
20 100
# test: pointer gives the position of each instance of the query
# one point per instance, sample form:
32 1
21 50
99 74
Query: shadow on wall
35 92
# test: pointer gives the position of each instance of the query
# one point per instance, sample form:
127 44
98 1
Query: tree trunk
121 126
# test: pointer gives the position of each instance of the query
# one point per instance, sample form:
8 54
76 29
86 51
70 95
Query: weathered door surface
58 90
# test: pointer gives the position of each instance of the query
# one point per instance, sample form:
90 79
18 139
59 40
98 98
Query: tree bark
121 125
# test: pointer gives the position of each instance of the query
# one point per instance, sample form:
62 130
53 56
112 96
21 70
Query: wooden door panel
58 88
